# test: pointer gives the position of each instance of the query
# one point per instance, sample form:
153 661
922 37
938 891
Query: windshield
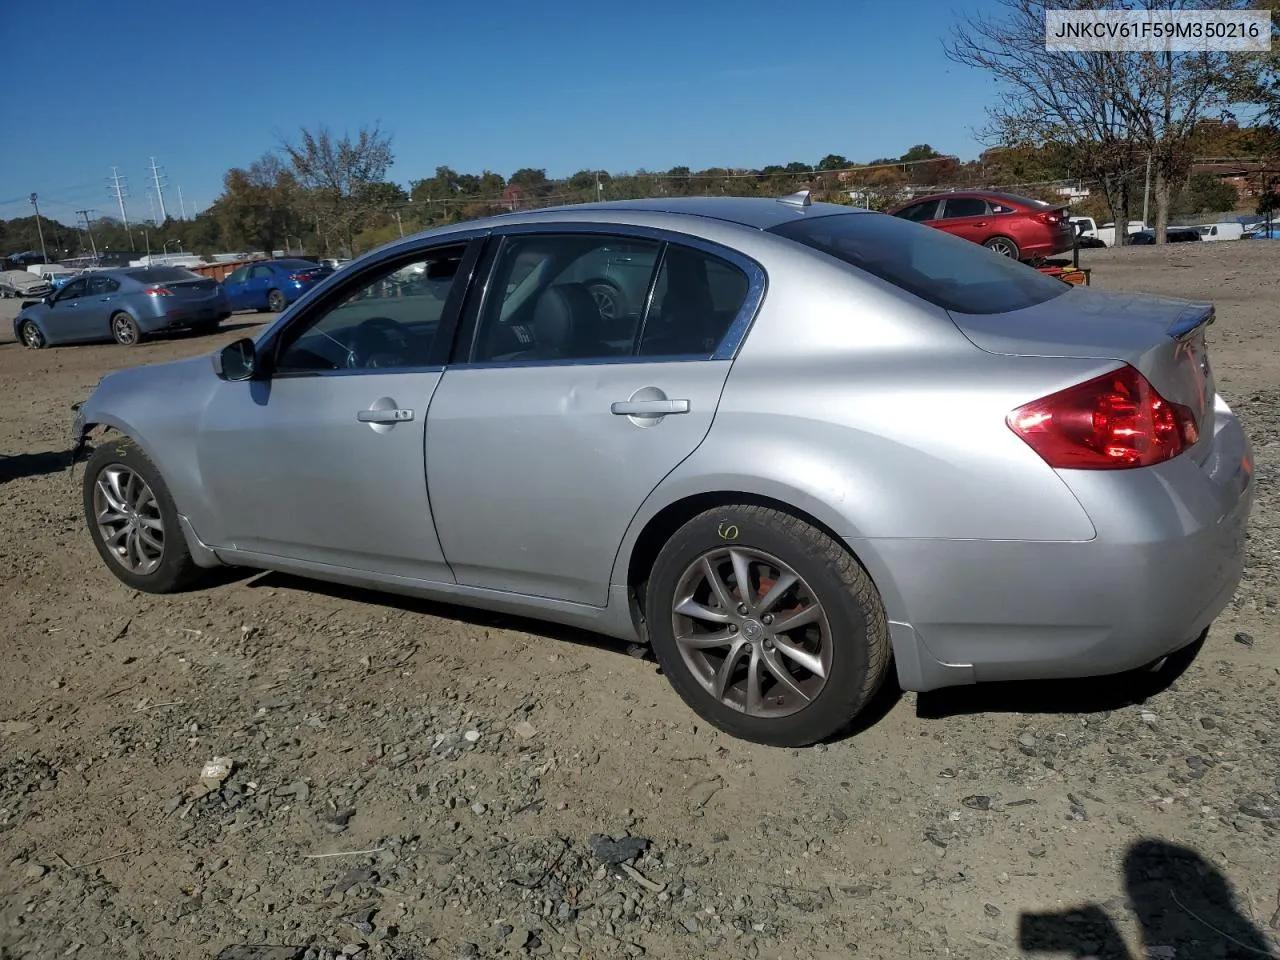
946 271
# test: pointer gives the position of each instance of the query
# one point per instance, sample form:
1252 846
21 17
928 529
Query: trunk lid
200 289
1163 337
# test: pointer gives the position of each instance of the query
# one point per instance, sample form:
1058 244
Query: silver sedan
817 444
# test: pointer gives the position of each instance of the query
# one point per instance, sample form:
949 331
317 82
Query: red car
1012 226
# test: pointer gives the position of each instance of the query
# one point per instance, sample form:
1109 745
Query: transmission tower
88 228
120 190
157 177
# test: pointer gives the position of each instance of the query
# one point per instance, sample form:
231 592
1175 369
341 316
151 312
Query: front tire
133 521
790 661
30 335
124 330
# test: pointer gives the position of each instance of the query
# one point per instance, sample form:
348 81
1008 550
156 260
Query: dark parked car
272 284
1172 235
123 305
1012 226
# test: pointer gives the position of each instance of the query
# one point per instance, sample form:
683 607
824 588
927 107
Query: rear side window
946 271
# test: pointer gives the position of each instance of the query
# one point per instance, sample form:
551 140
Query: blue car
272 284
125 305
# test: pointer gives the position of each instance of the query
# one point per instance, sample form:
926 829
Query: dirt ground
413 780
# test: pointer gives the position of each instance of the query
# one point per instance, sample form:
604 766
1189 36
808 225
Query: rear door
261 280
100 301
553 424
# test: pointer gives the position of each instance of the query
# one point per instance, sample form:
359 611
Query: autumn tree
336 174
1113 110
259 205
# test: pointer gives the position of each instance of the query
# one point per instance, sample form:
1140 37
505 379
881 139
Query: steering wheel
380 342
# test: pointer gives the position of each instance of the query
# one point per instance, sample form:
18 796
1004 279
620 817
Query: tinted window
294 265
952 273
919 212
387 319
964 207
162 274
258 272
238 275
695 301
101 286
76 288
565 297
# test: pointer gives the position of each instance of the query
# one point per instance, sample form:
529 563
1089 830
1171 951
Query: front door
236 287
70 318
545 441
321 459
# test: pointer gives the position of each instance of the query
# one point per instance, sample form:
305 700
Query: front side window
947 271
919 212
964 207
384 319
74 289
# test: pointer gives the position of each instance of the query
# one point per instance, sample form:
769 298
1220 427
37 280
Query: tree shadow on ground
1185 907
20 465
1091 695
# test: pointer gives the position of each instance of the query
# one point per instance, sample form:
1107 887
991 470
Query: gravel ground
404 779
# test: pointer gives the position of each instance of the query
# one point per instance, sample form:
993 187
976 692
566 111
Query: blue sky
562 85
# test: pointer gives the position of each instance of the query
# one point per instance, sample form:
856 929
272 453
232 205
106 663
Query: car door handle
648 408
981 223
384 416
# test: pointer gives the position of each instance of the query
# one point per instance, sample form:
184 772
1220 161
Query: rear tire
133 521
835 650
1003 246
31 336
275 302
124 329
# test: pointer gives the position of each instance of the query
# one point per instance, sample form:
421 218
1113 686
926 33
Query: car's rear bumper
1165 562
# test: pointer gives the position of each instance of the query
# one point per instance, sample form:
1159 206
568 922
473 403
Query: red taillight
159 292
299 277
1053 216
1111 422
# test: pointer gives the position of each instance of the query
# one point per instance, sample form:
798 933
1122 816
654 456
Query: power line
156 177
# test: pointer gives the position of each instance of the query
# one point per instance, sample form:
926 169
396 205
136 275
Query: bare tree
337 173
1114 110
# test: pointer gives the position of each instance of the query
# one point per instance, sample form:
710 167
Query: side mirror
236 361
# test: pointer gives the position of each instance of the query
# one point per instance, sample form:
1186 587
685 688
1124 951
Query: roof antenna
798 199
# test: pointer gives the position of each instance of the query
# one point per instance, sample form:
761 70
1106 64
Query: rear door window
964 207
946 271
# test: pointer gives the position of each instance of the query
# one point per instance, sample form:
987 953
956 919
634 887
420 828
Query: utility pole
155 178
182 207
119 189
39 228
399 223
89 230
1146 196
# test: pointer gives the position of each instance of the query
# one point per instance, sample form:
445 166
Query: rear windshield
946 271
162 274
298 265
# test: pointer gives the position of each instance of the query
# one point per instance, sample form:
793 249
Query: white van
1227 230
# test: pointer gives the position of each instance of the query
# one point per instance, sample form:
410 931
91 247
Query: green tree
259 206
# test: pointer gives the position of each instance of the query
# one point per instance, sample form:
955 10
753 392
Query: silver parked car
822 439
126 305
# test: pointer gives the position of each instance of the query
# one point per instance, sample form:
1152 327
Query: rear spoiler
1192 318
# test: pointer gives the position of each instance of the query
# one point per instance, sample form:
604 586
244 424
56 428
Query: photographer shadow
1186 910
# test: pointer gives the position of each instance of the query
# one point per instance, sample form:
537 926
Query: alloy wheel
122 329
128 518
752 632
31 336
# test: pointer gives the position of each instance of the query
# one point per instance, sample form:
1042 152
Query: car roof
759 213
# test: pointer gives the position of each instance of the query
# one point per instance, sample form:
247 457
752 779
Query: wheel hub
752 632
